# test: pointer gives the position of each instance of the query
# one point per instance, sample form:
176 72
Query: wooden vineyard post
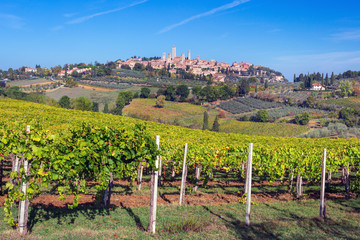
249 176
15 168
197 176
299 189
322 192
24 204
140 175
173 173
160 172
246 176
183 179
347 182
1 175
291 181
328 181
107 192
153 192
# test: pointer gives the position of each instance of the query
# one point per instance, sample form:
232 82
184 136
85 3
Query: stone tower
173 52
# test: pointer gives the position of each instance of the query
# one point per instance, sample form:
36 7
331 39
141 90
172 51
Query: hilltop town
170 65
197 66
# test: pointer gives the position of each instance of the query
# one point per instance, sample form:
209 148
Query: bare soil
197 199
96 88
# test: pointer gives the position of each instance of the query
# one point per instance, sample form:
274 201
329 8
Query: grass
189 115
145 108
262 129
101 97
290 219
287 220
353 102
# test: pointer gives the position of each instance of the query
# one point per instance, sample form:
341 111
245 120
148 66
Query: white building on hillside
317 87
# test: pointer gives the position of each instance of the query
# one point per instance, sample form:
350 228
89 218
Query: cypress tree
216 125
106 108
206 121
327 80
95 107
332 78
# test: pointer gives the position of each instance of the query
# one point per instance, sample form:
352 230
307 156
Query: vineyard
106 84
69 152
243 105
289 111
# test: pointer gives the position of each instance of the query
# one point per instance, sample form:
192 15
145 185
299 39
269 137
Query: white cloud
346 35
11 21
83 19
201 15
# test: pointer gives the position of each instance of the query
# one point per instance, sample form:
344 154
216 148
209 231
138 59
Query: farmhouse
317 87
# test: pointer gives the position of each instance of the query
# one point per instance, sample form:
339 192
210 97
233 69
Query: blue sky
288 36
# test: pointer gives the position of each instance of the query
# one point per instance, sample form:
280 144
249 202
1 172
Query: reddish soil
132 200
199 198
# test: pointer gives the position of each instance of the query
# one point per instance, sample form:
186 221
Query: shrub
145 92
160 101
261 116
64 102
302 119
244 118
83 103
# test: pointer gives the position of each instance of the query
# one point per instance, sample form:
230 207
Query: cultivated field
189 115
101 95
353 102
79 153
23 83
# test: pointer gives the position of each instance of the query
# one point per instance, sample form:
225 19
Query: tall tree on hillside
120 104
332 78
205 121
106 108
266 84
95 107
244 87
326 80
216 125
